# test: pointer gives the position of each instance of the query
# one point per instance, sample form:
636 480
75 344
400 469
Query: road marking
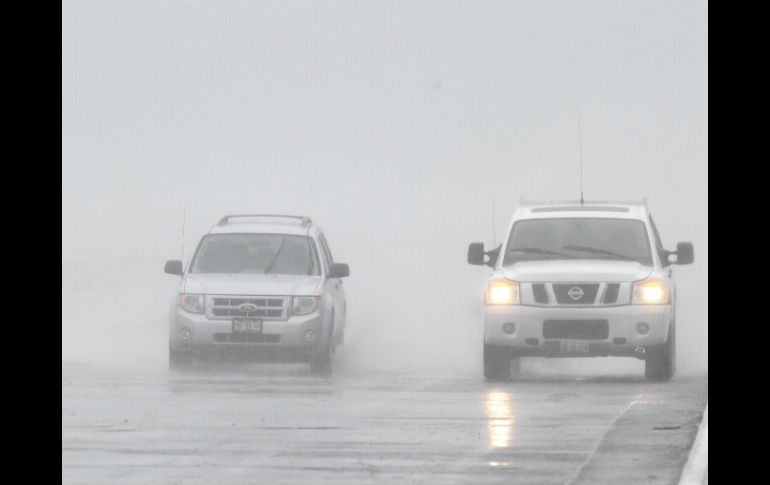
599 442
696 468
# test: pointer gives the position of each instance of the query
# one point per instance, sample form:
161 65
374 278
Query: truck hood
582 270
251 284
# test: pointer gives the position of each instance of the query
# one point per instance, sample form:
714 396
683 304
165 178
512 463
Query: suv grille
245 338
250 306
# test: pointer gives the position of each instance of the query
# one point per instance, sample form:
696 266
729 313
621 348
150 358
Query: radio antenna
580 136
494 232
184 221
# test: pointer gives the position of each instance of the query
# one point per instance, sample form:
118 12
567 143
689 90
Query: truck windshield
578 238
256 253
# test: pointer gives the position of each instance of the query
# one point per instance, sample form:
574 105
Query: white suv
580 279
262 287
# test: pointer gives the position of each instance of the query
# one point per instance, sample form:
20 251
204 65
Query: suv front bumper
623 335
280 340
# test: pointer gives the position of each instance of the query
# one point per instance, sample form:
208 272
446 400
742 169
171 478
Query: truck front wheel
499 363
660 360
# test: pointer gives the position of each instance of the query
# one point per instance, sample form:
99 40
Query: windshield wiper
604 252
275 258
541 251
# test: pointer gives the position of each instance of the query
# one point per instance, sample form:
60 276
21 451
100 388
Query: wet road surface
220 426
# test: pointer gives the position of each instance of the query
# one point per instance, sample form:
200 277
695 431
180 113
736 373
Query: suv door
336 291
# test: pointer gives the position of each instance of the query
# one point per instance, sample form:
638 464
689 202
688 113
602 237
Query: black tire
321 364
660 360
515 367
498 362
179 361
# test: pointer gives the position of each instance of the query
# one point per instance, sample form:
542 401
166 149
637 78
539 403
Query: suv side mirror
684 253
174 266
339 270
476 255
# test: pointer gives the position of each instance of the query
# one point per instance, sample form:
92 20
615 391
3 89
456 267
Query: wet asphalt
268 424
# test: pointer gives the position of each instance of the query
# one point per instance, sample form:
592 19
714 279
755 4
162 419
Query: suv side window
662 253
327 255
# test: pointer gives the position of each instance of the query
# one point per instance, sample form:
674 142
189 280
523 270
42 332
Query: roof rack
528 203
304 220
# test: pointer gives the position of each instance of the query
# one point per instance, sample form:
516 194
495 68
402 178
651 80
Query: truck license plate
574 346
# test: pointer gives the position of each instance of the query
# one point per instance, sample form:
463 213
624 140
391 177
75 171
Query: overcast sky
392 124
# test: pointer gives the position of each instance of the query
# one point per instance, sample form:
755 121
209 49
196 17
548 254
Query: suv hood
581 270
251 284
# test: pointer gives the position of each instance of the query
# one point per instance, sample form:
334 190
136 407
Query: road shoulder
651 439
697 467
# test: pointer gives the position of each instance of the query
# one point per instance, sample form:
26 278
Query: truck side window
662 253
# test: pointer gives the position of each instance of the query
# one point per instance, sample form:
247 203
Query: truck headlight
304 305
650 292
502 292
190 302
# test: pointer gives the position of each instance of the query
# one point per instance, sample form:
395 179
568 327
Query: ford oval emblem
247 307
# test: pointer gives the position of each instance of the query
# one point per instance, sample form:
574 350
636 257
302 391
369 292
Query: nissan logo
575 293
247 307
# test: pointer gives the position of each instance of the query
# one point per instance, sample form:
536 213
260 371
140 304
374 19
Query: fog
393 125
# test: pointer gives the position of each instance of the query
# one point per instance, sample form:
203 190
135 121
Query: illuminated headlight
650 292
304 305
502 292
190 303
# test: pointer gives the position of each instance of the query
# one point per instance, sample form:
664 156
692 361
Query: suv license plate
574 346
247 325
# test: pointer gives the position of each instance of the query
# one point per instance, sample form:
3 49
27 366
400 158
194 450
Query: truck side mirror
476 255
685 253
174 266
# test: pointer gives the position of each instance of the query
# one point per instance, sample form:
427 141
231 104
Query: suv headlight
502 292
304 305
650 292
190 302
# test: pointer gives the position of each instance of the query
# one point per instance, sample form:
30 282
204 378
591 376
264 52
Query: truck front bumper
553 331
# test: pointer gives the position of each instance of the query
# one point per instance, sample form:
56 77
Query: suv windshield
578 238
256 253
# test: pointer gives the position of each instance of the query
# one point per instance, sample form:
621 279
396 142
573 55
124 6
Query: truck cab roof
567 209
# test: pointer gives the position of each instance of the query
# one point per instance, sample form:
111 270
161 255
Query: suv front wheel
321 363
179 361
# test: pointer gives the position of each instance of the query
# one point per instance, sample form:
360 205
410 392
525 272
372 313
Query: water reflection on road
498 406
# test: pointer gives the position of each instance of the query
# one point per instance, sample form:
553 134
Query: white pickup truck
580 279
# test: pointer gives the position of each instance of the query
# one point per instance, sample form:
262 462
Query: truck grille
576 294
271 307
582 294
538 290
611 295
